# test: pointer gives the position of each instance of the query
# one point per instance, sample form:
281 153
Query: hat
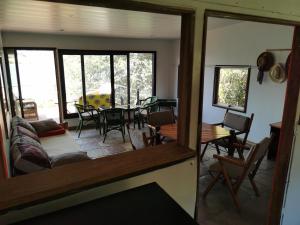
264 62
277 73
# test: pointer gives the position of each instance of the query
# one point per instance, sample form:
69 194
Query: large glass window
122 75
231 87
141 76
73 80
97 74
120 78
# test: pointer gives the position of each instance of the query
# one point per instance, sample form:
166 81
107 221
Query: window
125 76
231 87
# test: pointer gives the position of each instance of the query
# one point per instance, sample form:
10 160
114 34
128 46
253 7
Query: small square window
231 86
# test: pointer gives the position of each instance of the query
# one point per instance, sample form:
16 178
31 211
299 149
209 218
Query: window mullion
83 79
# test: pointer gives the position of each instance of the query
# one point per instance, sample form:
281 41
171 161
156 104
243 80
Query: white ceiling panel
46 17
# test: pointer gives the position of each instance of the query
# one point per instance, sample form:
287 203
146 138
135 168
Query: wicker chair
114 120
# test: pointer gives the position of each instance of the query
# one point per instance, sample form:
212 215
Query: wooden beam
286 133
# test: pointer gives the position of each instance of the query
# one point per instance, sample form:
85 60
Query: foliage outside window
126 76
231 87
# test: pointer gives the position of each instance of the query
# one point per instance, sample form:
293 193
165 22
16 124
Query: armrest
228 159
67 158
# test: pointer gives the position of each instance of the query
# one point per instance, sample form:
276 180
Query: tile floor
218 207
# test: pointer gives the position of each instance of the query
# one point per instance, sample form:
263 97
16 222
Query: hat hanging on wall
277 73
264 62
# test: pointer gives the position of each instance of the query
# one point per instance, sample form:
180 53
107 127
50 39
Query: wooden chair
157 119
239 124
114 120
139 139
235 170
86 114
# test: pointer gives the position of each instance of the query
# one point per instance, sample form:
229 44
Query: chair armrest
232 160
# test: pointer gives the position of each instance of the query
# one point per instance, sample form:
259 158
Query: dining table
209 133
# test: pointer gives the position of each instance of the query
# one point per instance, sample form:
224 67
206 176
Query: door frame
15 49
288 118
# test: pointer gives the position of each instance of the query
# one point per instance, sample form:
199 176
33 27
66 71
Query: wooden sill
23 191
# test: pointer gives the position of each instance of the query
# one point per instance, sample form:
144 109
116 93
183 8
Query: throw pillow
21 131
28 158
18 121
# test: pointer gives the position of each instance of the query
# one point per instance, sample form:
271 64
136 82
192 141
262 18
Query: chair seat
89 114
233 170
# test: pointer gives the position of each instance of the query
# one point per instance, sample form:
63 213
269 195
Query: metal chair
114 120
86 114
141 114
235 170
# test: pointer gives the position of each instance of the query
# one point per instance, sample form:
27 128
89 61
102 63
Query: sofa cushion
21 131
52 132
22 139
44 126
18 121
28 158
67 158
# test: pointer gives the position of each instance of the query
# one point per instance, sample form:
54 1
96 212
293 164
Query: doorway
33 83
285 112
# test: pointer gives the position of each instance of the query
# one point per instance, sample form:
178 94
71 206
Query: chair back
240 123
148 100
256 154
158 119
114 116
136 138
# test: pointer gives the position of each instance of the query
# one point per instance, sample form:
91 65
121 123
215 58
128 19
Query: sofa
41 145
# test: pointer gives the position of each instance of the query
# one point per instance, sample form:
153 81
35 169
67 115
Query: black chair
86 114
141 114
114 120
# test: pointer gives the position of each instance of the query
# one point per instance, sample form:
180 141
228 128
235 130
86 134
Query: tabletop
147 205
209 132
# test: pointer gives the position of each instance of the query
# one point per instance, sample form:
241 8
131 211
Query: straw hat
277 73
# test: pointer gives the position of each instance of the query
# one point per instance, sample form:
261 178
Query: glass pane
232 87
97 74
38 84
141 76
73 80
120 76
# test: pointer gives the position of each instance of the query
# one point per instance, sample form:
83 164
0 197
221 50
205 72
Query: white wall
165 63
240 44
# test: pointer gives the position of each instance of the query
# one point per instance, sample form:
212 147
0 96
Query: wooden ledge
23 191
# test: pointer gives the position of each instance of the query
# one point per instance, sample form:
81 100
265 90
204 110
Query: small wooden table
209 132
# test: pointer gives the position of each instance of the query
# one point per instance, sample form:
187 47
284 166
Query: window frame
111 53
216 87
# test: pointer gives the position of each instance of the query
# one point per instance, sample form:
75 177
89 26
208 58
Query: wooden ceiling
47 17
